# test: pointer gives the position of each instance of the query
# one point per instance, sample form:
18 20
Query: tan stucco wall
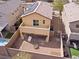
42 29
28 20
14 37
35 31
13 52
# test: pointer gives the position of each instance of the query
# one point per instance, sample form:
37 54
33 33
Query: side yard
74 52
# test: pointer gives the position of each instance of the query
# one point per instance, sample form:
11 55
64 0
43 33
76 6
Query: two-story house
37 19
34 35
70 18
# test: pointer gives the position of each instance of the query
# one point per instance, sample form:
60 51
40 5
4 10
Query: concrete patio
52 48
42 50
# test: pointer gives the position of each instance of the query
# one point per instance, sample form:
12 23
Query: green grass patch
9 35
74 52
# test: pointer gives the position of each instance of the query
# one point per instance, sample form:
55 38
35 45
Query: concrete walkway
42 50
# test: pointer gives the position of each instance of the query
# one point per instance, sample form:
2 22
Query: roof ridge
39 3
43 12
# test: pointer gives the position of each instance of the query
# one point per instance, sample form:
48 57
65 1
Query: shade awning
2 25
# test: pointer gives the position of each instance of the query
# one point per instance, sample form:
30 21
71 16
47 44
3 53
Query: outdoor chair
36 46
29 39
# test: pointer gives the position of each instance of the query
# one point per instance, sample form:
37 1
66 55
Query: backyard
74 52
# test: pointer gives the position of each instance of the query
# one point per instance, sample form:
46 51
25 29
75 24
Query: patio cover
3 21
2 25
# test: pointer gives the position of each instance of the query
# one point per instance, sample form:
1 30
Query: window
77 25
35 22
43 21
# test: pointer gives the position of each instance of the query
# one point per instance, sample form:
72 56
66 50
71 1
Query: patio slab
42 50
52 48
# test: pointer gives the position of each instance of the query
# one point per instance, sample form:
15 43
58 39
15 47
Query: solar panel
32 7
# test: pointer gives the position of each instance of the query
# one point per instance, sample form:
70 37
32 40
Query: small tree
58 5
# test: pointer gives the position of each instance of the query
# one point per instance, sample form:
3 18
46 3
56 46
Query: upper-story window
43 21
77 25
35 22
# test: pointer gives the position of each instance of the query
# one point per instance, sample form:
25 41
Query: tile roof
72 11
3 24
70 14
3 21
43 8
9 6
5 9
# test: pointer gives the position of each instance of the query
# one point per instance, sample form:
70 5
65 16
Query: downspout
62 52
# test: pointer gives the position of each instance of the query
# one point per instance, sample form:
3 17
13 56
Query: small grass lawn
9 35
74 52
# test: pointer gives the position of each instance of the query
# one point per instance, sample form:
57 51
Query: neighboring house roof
70 14
3 23
72 11
40 7
9 6
2 26
66 24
